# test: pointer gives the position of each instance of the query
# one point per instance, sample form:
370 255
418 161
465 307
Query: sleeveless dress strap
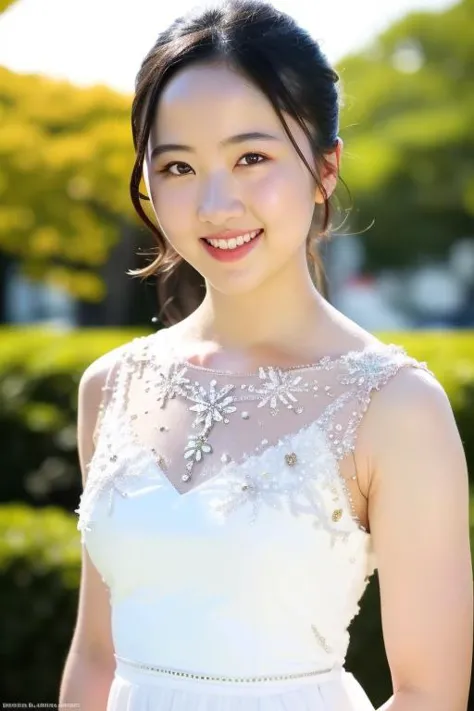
361 376
114 390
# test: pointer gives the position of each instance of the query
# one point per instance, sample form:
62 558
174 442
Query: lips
229 234
232 242
230 251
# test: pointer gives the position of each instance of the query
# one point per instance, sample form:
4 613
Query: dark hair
286 64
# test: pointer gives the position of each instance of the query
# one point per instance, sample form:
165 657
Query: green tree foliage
65 156
407 123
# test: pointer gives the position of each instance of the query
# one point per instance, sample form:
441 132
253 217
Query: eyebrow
232 140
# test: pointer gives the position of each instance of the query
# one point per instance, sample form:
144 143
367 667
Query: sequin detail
299 471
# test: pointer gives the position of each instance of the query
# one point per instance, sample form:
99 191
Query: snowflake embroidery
196 447
372 371
172 383
279 386
211 406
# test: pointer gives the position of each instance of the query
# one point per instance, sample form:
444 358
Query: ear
330 171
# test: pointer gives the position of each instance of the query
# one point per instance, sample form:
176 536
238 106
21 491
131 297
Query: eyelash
166 168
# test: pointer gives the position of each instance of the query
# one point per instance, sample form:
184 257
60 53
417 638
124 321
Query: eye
179 164
254 155
166 168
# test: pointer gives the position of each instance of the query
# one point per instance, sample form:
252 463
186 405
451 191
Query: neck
283 313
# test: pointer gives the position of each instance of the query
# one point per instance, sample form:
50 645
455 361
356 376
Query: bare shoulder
94 377
96 372
413 394
411 426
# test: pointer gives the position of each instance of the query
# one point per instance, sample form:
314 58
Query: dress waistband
133 670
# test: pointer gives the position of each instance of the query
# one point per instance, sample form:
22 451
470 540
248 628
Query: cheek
283 196
173 206
266 196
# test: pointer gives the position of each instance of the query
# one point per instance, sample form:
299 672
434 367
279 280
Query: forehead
211 100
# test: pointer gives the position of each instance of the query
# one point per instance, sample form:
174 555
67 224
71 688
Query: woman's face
206 178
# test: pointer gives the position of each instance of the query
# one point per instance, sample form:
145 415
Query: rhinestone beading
297 469
218 678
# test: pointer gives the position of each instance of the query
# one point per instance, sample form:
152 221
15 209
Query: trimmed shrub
40 557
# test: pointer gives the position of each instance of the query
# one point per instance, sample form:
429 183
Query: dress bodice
216 511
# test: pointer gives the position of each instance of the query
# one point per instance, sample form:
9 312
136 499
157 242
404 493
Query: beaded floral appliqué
300 470
216 404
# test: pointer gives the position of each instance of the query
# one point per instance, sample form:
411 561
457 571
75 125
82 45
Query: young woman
255 460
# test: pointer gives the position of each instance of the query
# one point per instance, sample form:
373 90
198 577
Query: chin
236 285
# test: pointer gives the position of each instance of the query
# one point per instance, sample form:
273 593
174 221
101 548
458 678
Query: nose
218 200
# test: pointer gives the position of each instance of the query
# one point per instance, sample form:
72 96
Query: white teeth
233 242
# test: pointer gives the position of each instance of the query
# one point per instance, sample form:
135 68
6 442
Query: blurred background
402 265
66 85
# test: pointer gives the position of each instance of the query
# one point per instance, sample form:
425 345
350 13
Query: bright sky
104 41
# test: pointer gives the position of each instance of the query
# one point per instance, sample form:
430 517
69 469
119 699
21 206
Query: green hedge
39 580
39 378
40 549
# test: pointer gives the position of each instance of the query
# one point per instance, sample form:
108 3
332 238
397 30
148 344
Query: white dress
216 512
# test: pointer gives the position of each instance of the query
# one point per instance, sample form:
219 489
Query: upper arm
419 520
92 634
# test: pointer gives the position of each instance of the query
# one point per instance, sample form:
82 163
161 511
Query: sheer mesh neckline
324 361
264 455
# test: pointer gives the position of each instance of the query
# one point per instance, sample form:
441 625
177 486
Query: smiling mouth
233 242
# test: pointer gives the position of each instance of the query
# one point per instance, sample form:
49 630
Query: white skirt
138 690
